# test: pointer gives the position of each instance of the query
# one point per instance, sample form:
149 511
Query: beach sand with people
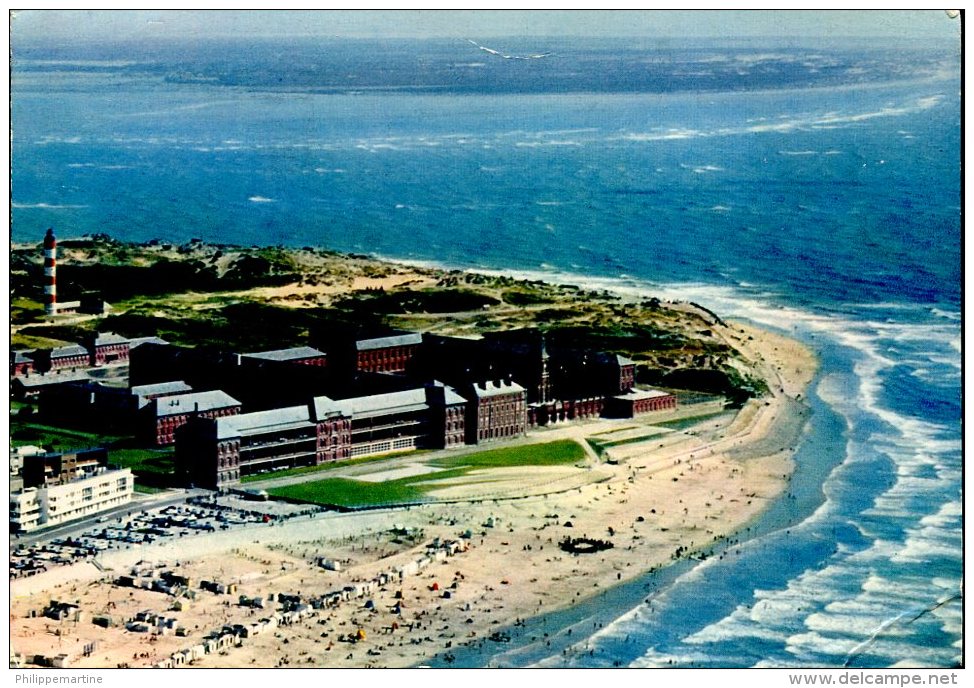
661 499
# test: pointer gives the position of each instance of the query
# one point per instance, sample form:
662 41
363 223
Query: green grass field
144 461
57 439
548 454
304 470
358 494
351 493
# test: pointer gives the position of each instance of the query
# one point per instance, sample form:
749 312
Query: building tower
544 388
50 270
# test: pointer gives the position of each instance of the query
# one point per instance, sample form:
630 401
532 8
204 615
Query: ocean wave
46 206
261 199
825 613
788 123
540 144
48 140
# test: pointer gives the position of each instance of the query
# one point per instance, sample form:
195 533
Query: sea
811 189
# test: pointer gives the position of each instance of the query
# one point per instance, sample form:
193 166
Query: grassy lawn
144 461
58 439
355 493
303 470
547 454
351 493
148 489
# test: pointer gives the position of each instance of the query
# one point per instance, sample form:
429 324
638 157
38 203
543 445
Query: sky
88 25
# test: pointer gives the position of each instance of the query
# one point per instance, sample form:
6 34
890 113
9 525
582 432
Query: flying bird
491 51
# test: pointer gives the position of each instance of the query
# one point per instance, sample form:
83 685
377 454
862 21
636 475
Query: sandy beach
660 499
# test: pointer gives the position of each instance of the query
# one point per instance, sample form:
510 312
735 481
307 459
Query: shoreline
660 508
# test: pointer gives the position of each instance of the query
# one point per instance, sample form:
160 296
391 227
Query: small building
61 357
145 393
640 401
136 342
387 354
93 304
163 415
32 386
107 348
299 355
20 363
101 405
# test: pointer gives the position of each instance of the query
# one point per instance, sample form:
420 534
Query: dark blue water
827 207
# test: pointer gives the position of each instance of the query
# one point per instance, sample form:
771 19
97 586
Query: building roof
637 394
386 404
106 338
21 356
261 422
69 350
52 378
145 340
451 397
324 407
160 388
26 450
623 361
494 389
386 342
293 354
197 401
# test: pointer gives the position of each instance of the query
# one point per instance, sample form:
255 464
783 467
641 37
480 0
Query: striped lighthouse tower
50 273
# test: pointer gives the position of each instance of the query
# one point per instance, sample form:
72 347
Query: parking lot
206 514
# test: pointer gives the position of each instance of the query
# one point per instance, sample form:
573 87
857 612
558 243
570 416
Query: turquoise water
824 206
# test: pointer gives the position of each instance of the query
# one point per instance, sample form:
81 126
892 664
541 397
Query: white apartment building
25 510
53 505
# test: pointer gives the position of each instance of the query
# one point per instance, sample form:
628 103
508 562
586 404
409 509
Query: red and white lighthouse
50 273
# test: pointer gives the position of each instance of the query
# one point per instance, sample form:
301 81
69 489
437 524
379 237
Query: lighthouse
50 273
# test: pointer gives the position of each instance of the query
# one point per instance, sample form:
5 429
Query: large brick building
496 410
299 355
162 416
426 417
213 452
217 452
387 354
